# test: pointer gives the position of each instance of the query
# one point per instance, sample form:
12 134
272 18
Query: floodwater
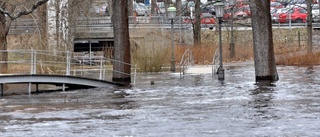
196 105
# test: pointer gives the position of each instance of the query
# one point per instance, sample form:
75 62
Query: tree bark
3 39
197 25
121 42
264 58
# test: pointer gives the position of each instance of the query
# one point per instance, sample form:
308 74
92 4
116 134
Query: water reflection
262 104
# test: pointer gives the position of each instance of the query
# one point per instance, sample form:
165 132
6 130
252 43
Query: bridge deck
71 82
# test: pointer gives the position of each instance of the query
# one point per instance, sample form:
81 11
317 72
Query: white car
315 12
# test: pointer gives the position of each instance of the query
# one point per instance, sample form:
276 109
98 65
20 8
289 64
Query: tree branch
25 12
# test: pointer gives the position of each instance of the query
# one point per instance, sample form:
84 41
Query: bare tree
264 58
121 42
197 27
154 7
10 11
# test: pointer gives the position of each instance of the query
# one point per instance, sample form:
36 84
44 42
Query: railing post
31 61
1 90
104 74
299 38
290 21
29 89
100 76
35 62
68 64
135 75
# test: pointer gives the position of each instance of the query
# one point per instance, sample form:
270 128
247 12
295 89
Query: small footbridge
70 70
187 65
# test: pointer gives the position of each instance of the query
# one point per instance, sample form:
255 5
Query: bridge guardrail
23 62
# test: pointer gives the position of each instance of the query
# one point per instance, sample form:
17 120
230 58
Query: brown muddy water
196 105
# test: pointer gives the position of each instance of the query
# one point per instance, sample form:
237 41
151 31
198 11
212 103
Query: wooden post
1 90
299 39
309 26
37 87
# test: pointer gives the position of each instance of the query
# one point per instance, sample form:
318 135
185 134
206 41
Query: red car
207 19
298 15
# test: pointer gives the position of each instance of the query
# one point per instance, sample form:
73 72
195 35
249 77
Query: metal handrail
186 61
215 61
60 63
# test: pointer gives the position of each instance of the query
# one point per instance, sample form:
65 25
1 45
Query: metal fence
22 62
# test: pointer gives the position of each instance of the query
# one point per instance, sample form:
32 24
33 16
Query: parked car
298 15
161 7
140 9
243 12
207 20
315 12
276 5
276 12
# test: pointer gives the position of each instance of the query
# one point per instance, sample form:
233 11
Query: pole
220 69
232 48
90 53
173 68
1 88
309 26
299 39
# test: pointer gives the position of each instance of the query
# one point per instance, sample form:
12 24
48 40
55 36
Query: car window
302 11
291 11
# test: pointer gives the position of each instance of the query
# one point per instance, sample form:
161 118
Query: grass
299 59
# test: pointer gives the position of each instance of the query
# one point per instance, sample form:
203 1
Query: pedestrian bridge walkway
67 69
187 64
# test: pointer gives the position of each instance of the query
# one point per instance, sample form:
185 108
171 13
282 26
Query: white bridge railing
22 62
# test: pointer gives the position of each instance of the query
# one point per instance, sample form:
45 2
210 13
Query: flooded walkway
196 105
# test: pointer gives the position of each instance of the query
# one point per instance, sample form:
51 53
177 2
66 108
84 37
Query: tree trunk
178 6
43 26
130 7
154 7
166 5
110 7
6 23
197 25
3 40
264 58
121 42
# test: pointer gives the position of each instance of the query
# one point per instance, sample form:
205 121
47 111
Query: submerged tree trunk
121 42
264 58
197 25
